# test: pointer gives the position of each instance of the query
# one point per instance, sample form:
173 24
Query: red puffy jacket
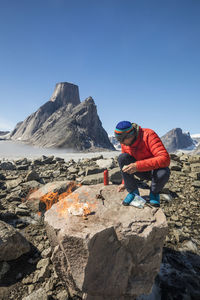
148 150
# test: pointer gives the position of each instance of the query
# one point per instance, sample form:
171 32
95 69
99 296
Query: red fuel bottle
105 177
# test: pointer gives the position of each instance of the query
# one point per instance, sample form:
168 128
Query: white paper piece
138 202
77 209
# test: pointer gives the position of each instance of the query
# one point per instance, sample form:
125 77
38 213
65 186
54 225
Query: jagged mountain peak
66 92
65 122
176 139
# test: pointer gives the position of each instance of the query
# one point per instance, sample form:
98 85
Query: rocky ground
32 275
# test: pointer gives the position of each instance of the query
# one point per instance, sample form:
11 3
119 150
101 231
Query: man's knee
160 178
162 174
125 158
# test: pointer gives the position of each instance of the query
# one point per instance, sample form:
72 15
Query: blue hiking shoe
154 199
129 198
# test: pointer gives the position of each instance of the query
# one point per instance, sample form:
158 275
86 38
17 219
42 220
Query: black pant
158 177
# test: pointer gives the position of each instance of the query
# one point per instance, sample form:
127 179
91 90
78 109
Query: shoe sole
154 205
125 204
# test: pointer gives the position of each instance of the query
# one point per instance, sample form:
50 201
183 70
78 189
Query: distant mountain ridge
176 139
64 122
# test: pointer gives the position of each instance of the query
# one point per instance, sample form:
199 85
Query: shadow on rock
20 268
179 276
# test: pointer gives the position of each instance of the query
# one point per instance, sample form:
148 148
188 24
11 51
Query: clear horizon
139 60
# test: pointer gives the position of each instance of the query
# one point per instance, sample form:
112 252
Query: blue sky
138 59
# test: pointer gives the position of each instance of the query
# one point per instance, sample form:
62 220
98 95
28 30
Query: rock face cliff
64 122
175 139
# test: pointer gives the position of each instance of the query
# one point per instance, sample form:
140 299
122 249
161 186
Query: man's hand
130 169
121 188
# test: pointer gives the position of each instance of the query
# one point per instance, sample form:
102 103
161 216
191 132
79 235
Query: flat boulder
33 201
12 243
92 179
105 163
13 183
103 250
32 175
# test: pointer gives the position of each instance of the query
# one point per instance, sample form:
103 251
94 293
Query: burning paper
79 209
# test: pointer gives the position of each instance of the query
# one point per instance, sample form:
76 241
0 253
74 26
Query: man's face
128 141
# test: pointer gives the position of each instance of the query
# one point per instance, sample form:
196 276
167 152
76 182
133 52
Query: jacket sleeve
160 159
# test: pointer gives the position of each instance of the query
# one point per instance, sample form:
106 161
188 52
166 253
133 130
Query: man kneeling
144 155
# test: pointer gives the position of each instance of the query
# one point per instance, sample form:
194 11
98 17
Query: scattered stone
11 184
166 197
3 195
27 280
73 170
4 268
49 287
189 246
194 159
39 295
11 239
115 176
31 185
39 162
23 167
7 166
47 159
96 158
174 218
22 211
105 163
93 170
32 175
176 166
43 263
40 247
46 252
43 273
13 197
3 185
59 159
196 184
63 295
2 177
195 167
31 288
178 224
92 179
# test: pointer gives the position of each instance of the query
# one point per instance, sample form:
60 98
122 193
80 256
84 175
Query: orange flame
50 199
74 205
